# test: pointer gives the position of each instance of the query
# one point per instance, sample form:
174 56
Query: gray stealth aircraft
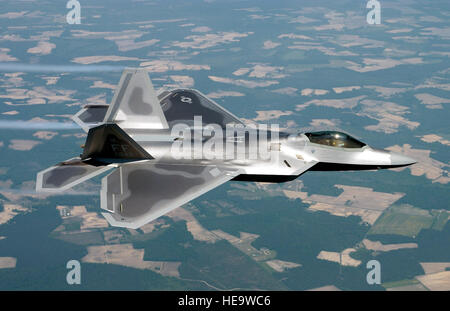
136 135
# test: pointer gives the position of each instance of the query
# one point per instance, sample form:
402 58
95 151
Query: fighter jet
165 149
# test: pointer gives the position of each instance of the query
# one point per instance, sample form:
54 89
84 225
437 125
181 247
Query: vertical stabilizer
135 104
108 143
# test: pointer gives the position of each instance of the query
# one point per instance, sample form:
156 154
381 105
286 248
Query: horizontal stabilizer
90 116
66 174
138 193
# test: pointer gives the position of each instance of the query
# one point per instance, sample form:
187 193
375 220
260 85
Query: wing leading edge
138 193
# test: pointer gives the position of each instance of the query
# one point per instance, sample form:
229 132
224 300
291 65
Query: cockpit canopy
334 139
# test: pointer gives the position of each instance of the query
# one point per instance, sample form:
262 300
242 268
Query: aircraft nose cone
398 159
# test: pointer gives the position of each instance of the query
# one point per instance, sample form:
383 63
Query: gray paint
178 111
193 169
93 114
137 104
119 98
63 175
162 187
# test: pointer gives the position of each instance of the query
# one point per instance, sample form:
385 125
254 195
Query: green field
408 221
401 283
440 219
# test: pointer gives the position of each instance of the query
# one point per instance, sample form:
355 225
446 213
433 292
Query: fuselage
271 156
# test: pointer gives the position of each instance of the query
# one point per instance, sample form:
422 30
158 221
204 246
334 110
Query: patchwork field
408 221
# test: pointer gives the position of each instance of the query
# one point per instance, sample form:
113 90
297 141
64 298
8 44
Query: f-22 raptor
167 149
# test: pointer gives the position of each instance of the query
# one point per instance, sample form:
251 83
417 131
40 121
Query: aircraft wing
181 105
303 167
138 193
